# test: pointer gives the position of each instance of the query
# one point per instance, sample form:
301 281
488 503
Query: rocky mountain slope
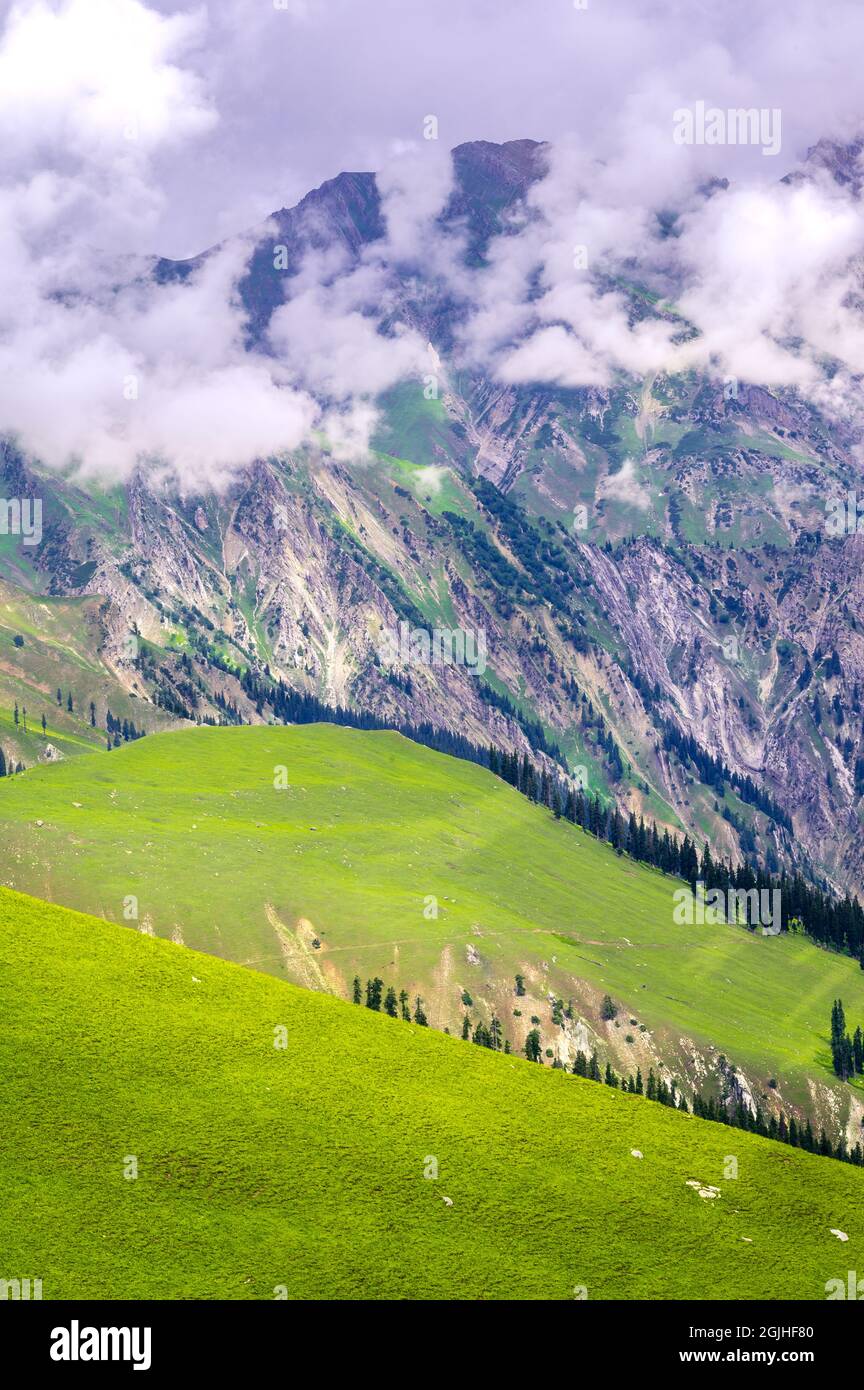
645 563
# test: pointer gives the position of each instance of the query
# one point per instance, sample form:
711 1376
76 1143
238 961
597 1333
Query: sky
320 86
137 127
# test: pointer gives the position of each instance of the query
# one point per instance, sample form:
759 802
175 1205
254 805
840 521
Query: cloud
328 333
91 90
109 380
624 486
340 333
760 281
122 121
99 366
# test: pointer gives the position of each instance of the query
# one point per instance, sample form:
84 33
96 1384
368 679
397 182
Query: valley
317 854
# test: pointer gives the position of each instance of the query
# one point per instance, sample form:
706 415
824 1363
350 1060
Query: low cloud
623 261
107 370
624 486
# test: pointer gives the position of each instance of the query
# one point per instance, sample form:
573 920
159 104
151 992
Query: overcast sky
299 93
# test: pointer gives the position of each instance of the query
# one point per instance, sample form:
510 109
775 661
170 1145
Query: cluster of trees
777 1127
536 547
20 718
117 729
486 558
715 773
835 922
397 1006
531 728
491 1037
847 1053
708 1108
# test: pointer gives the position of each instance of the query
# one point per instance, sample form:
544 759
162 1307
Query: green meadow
192 836
160 1141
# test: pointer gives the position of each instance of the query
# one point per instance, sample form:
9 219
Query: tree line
831 921
397 1006
776 1127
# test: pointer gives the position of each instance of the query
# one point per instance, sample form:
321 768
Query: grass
300 1172
61 641
372 832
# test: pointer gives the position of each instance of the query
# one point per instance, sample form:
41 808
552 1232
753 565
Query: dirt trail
298 952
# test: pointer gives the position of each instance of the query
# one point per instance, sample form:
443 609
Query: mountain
320 854
181 1128
703 597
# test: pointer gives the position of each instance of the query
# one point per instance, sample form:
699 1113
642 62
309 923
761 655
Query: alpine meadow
431 673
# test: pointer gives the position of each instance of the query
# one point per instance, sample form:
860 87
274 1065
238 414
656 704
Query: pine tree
391 1004
419 1015
533 1049
466 1028
358 994
403 1005
373 994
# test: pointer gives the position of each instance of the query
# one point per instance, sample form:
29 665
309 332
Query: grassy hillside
188 830
48 644
261 1169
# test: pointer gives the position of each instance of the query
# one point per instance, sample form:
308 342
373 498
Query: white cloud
624 486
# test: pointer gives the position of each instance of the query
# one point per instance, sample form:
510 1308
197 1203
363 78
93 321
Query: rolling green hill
341 871
306 1171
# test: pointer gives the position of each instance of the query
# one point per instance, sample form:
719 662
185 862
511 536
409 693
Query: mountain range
666 614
